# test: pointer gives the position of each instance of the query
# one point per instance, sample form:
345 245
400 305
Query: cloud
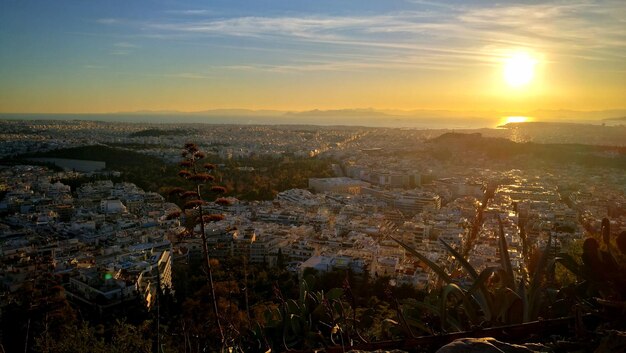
338 66
107 21
189 75
124 45
434 35
192 12
176 75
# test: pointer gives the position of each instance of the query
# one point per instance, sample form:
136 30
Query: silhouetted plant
200 176
314 320
602 277
485 302
124 338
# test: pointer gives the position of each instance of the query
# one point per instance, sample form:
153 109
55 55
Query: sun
519 69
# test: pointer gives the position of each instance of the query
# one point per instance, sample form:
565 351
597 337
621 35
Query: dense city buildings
112 245
114 238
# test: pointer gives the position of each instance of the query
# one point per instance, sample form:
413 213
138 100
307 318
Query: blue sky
99 56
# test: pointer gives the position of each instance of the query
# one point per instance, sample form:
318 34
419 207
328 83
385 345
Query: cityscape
101 244
355 176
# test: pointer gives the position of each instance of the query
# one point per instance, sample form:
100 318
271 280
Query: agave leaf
466 265
420 325
293 307
272 316
505 260
480 282
469 306
569 263
612 303
304 289
505 298
523 294
338 307
334 293
453 289
484 297
296 326
536 284
316 297
403 325
515 312
433 266
288 340
319 311
484 276
419 306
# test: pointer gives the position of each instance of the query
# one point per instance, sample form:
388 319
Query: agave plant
601 276
483 303
314 320
193 202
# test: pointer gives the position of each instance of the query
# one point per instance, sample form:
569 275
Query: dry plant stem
207 261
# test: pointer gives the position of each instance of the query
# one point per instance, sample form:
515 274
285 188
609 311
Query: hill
504 149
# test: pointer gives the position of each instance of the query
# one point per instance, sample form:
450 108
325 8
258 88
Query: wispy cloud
175 75
341 66
191 12
189 75
434 35
124 45
107 21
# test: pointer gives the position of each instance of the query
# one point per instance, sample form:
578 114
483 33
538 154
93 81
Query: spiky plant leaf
504 299
414 309
293 307
334 294
304 288
420 325
505 260
536 284
570 264
484 298
452 289
433 266
482 278
523 294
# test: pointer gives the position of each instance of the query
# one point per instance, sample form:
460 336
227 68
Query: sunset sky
61 56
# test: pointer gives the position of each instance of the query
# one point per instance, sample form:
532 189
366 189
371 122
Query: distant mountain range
212 112
340 112
555 115
421 119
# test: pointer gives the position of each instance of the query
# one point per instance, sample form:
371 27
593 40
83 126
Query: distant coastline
324 120
366 118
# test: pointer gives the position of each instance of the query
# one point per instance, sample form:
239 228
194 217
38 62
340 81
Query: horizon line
326 110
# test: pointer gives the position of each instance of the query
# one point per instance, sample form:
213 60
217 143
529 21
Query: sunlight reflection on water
514 132
515 119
